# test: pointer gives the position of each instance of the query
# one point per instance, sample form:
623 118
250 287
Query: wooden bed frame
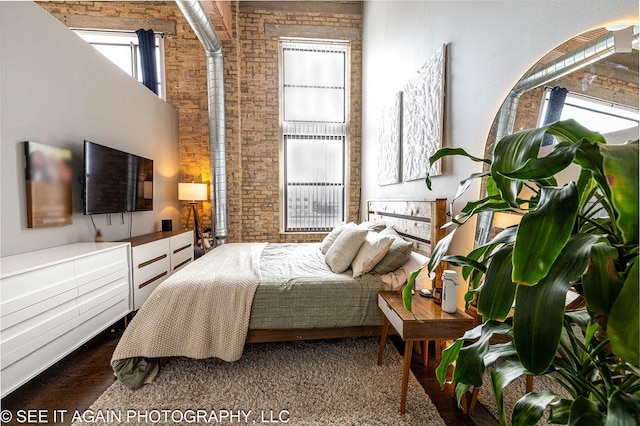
419 222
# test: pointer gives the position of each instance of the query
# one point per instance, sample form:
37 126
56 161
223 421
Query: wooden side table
431 324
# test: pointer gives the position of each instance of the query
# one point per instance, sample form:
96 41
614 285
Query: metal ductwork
603 46
201 25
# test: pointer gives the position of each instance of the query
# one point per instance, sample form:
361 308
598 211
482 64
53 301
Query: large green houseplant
583 234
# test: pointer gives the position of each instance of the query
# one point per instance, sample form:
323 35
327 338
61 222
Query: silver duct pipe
591 52
201 25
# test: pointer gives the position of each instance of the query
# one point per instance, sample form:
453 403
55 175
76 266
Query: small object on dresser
99 238
425 292
167 225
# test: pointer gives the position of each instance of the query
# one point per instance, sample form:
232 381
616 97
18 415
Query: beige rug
334 382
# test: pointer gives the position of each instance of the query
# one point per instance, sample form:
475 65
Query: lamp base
197 230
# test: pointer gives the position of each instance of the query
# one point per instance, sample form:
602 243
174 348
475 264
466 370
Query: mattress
298 290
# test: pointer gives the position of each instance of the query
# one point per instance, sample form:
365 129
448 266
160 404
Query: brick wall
259 145
251 106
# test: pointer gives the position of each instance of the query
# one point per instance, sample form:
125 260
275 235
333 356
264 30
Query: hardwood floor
78 380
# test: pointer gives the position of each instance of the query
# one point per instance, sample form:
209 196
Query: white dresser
154 257
54 300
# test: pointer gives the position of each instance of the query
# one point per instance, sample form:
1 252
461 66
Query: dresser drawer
151 266
181 250
53 327
35 283
391 314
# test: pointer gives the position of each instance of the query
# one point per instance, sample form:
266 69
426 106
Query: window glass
597 115
122 49
314 134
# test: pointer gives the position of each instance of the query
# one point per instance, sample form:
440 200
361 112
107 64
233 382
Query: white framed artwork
389 138
423 118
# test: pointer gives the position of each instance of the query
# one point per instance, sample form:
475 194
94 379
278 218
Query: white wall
491 45
56 89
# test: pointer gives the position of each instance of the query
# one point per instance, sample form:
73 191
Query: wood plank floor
78 380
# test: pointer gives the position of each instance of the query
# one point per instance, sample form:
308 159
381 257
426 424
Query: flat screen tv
116 181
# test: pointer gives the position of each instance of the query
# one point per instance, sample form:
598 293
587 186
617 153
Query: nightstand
429 323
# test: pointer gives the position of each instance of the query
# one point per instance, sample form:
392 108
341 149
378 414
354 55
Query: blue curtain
554 110
147 42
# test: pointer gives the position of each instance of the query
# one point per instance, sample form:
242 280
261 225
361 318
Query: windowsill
304 233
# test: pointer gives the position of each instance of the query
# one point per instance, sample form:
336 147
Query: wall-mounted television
116 181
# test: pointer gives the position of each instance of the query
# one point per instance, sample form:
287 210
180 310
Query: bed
257 292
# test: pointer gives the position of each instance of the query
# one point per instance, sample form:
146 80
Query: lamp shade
192 191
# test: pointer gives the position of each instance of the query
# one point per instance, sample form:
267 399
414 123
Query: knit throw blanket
201 311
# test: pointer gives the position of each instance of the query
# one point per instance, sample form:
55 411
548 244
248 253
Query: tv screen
116 181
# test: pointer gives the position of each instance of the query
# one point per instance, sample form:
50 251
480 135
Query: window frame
347 124
159 36
585 98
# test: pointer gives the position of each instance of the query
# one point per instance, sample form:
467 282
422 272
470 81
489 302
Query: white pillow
373 226
370 253
396 279
345 248
331 237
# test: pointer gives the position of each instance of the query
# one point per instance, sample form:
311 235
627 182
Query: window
314 122
596 114
121 47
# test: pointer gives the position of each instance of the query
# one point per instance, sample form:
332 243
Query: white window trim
347 154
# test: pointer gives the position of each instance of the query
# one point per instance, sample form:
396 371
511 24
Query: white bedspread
208 301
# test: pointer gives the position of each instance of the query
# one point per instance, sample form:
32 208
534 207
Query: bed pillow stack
398 254
345 247
372 250
328 241
365 249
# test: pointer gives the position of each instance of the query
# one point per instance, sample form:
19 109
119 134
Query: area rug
330 382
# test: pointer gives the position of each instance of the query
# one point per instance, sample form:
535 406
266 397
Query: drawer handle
157 277
184 262
181 248
149 262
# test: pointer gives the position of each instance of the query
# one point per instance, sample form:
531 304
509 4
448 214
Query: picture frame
49 176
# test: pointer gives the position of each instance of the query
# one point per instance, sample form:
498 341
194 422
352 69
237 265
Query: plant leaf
539 311
450 354
461 390
407 290
543 233
496 298
620 166
513 151
560 411
585 412
510 154
464 185
530 408
470 366
501 376
623 409
444 152
602 283
546 167
622 326
441 249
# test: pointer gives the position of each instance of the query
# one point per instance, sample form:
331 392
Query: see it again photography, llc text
163 416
